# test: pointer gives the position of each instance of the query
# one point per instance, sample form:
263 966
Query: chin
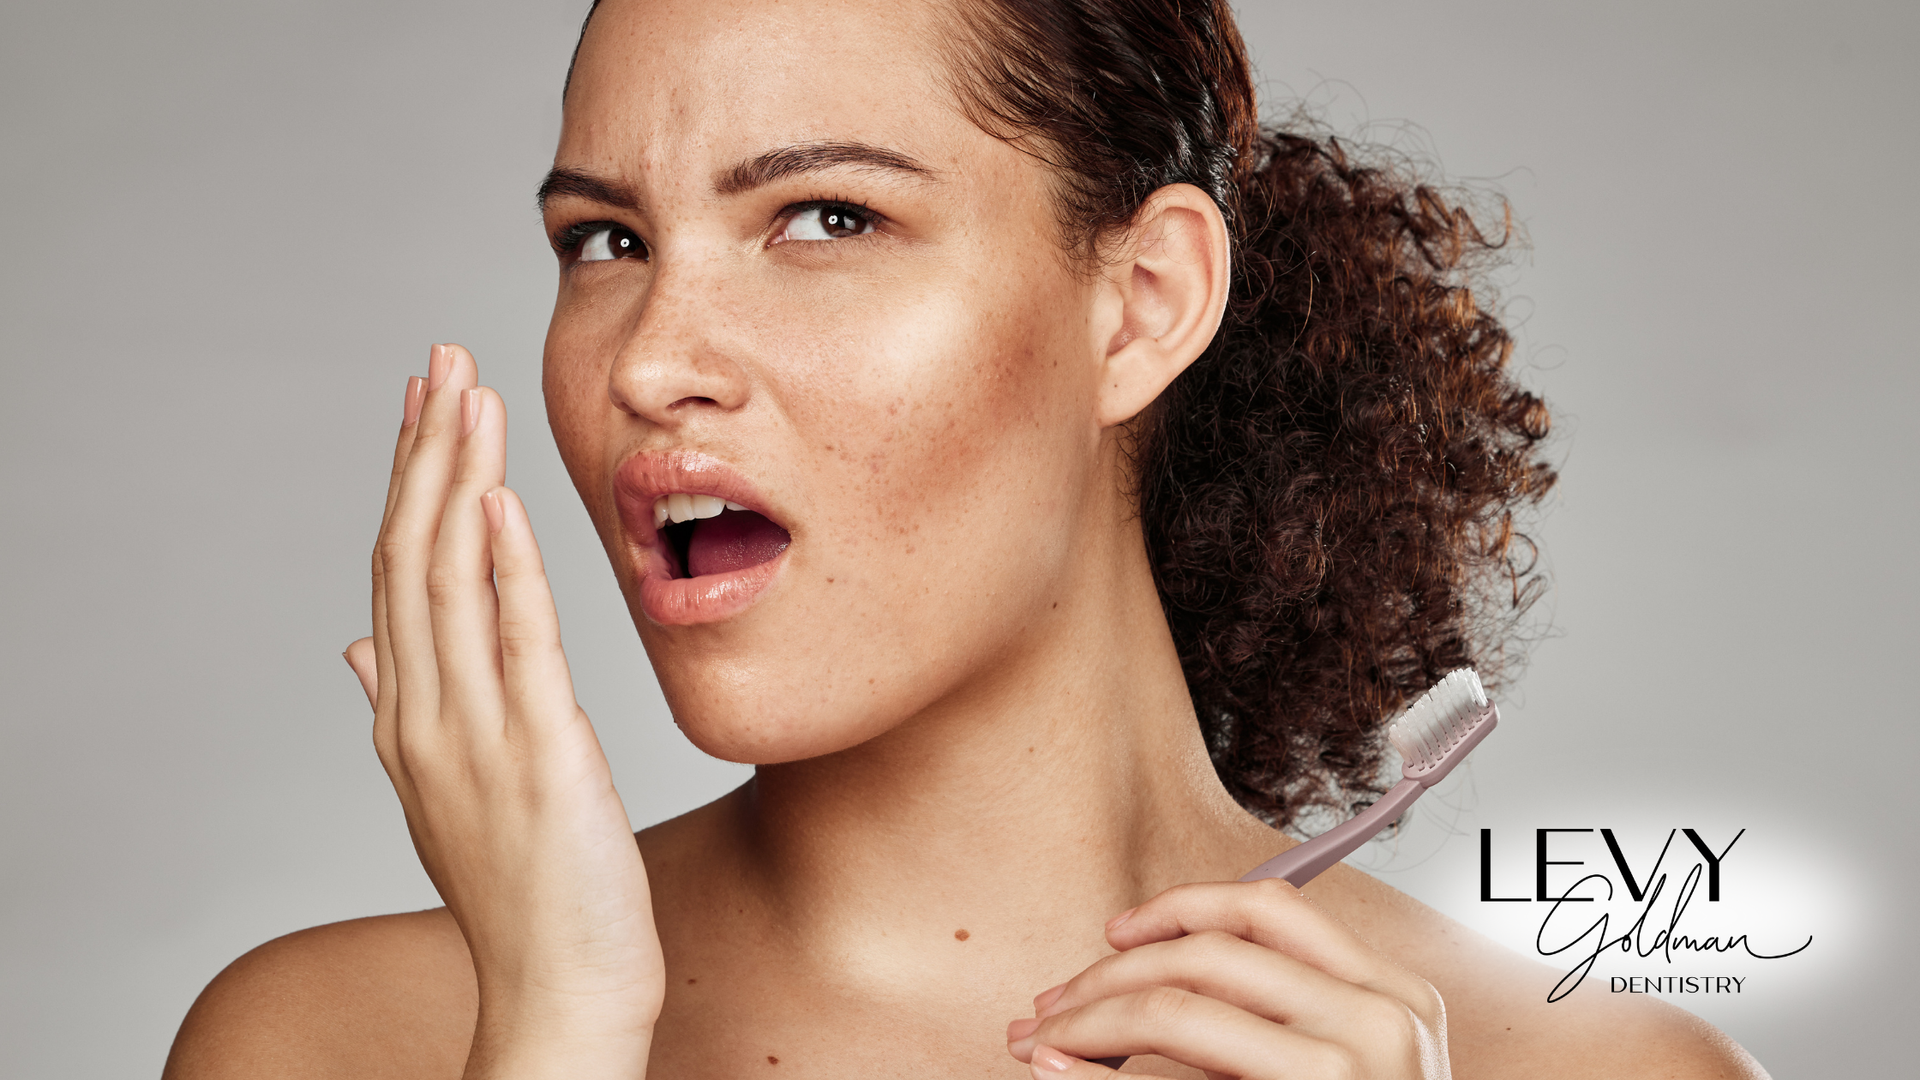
765 693
769 729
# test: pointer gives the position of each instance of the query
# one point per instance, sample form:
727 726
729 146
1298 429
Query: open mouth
708 535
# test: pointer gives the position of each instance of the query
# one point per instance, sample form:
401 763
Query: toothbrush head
1442 726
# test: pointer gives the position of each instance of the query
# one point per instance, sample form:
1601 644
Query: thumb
359 656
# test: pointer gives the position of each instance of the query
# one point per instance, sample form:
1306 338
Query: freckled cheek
937 432
574 383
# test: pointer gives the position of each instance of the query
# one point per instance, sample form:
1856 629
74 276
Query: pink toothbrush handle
1303 863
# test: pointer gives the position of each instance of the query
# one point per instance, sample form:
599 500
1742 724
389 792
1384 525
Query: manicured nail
1048 997
1115 922
439 366
495 509
1046 1057
469 411
416 393
1020 1029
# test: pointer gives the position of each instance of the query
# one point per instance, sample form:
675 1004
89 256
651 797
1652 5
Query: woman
888 362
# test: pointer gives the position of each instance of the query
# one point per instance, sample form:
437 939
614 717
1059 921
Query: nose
675 365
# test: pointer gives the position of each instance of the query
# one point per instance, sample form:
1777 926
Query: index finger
1269 912
409 425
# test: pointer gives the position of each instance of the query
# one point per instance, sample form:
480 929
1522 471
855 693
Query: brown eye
840 223
830 222
612 242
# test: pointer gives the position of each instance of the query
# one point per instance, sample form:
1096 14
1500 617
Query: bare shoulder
387 996
1499 1022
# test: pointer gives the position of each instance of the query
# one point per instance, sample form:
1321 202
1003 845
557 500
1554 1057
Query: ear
1165 286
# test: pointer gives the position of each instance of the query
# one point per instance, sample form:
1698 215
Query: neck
1069 785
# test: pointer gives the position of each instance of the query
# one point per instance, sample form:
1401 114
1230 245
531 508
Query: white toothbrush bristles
1436 723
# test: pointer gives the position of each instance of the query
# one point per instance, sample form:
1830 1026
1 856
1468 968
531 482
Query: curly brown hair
1329 492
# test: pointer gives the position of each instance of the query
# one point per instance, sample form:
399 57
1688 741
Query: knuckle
1268 905
385 746
520 639
389 551
444 580
1164 1006
1272 892
1186 891
1402 1026
1180 898
1409 998
414 745
1214 946
1392 1022
1338 1062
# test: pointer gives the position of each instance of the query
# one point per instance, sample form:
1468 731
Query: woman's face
795 279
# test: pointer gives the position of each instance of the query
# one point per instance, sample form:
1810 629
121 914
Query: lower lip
709 598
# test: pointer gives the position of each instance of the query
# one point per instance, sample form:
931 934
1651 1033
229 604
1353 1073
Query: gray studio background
232 229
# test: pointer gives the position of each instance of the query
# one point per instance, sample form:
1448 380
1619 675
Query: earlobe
1169 278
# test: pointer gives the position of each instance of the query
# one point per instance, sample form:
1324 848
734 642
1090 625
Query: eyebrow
561 183
757 171
785 161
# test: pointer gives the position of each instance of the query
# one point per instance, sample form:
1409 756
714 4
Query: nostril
692 401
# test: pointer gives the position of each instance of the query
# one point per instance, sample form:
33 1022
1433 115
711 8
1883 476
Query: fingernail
1020 1029
1048 997
439 366
495 510
469 411
1114 923
1046 1057
416 393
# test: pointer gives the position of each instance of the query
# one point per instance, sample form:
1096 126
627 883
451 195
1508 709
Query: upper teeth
679 507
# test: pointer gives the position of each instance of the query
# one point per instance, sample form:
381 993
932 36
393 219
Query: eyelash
568 240
868 217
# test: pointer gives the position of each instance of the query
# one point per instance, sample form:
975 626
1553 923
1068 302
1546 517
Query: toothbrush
1433 736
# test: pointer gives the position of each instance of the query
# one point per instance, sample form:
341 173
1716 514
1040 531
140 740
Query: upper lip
645 477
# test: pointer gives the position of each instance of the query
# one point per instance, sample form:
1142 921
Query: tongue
733 541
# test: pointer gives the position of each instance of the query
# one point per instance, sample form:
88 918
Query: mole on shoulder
961 935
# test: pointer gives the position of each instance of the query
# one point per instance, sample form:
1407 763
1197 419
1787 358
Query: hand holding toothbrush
1248 979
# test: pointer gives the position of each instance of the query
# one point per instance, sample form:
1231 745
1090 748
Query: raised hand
1240 979
507 793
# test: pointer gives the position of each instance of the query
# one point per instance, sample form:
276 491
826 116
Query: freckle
1056 603
829 581
690 982
1029 749
961 935
771 1060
